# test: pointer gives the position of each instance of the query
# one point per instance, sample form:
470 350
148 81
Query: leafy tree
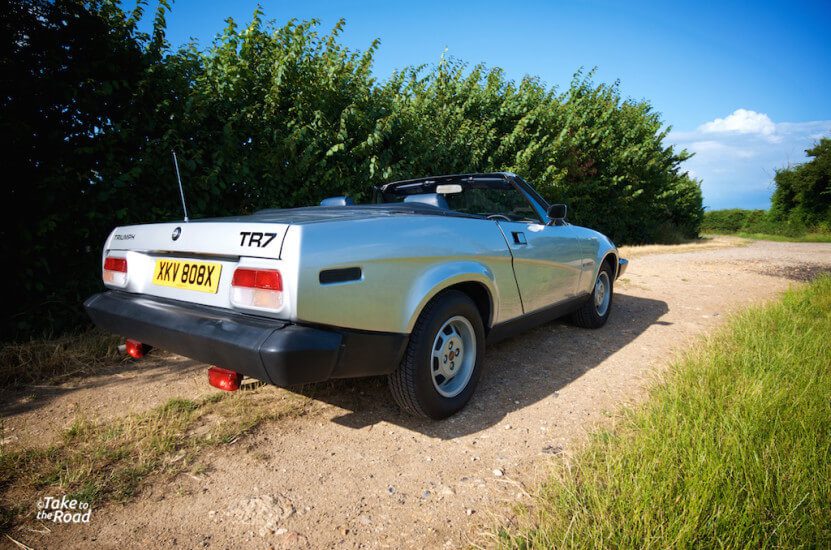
803 192
70 70
280 116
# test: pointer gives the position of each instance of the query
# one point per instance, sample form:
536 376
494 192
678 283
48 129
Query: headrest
337 201
433 199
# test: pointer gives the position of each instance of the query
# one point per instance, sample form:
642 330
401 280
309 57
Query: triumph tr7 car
411 286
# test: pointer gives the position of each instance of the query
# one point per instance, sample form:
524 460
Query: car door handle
519 237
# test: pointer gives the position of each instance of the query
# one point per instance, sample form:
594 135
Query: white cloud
741 121
717 147
737 156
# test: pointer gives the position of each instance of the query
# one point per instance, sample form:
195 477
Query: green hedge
726 221
761 222
281 116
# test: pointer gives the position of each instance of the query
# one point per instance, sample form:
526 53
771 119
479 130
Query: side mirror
557 211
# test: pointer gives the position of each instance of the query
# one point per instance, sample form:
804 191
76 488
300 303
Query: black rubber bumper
273 351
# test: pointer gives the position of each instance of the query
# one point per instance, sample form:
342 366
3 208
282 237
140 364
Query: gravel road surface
356 472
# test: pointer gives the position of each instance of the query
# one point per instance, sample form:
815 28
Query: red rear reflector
267 279
135 349
116 264
224 379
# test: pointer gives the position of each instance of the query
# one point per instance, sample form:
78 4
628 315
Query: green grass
806 238
55 359
733 448
811 237
110 461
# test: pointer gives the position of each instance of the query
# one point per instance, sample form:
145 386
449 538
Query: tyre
442 363
595 312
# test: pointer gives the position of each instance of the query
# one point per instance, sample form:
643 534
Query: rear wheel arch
475 281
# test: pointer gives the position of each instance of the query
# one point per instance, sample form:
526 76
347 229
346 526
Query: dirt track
357 473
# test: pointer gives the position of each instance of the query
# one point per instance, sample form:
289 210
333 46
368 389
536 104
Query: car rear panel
222 245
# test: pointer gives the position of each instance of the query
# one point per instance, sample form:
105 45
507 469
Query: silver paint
406 259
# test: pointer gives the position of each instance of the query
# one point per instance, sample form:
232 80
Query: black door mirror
557 211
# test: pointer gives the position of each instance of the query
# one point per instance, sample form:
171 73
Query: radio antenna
181 190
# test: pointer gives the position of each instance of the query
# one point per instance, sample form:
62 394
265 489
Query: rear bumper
270 350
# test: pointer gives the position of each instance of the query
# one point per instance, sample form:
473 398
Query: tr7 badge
255 238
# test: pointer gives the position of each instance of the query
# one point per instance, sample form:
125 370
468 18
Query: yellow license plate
201 276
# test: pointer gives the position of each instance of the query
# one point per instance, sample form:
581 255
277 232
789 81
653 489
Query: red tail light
224 379
135 349
257 289
116 264
115 271
267 279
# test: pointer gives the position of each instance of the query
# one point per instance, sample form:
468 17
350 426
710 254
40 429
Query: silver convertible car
411 286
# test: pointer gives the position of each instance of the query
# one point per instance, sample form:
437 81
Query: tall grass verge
732 450
692 245
98 462
54 359
804 238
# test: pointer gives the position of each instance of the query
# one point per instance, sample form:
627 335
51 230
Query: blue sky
745 86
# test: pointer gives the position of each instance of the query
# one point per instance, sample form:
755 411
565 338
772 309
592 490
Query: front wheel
595 312
441 367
